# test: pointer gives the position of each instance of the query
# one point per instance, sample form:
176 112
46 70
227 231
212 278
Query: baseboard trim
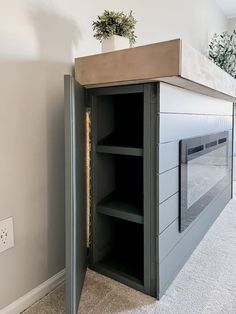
34 295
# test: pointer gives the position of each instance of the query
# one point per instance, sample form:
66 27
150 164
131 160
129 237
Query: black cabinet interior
118 189
120 120
124 252
124 175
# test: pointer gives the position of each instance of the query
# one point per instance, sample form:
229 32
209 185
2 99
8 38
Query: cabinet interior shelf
122 207
115 269
124 259
119 150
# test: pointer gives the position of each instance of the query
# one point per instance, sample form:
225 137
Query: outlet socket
6 234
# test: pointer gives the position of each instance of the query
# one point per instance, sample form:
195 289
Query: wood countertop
173 62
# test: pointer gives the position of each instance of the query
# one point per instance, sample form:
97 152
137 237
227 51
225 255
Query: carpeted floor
206 284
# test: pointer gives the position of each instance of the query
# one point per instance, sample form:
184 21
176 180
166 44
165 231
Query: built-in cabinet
122 183
135 131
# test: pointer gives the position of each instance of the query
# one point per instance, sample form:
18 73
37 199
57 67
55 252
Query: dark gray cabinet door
75 159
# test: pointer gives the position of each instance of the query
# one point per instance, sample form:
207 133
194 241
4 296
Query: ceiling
228 7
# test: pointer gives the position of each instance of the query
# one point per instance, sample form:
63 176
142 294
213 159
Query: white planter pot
115 42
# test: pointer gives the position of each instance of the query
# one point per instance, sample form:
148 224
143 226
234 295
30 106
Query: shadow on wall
32 156
57 35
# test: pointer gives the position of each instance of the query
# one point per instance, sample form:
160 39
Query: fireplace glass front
205 170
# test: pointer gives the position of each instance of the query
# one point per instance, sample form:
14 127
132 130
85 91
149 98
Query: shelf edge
119 150
120 214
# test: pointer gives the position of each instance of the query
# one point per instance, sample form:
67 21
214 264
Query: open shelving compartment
117 185
120 124
122 178
121 250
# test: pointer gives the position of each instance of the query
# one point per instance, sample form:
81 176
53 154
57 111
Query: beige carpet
206 284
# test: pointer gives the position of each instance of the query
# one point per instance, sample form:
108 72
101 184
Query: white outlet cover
6 234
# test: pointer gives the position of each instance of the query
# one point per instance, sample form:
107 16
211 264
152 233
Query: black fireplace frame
190 149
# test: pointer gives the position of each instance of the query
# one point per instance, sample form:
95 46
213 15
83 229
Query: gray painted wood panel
168 156
175 260
75 175
183 114
171 235
178 100
168 212
149 189
180 126
168 184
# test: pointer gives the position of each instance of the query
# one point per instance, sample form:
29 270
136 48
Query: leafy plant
222 51
115 23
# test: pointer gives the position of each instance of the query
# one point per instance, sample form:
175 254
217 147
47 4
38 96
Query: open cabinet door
75 160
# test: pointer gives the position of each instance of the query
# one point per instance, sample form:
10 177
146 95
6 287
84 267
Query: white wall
232 24
39 39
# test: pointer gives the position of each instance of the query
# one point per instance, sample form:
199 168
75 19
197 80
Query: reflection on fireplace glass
204 173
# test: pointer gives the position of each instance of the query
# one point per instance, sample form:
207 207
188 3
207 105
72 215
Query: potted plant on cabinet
115 30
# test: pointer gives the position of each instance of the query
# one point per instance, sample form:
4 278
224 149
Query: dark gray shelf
126 209
119 150
119 274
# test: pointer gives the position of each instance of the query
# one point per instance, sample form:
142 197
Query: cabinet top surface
173 62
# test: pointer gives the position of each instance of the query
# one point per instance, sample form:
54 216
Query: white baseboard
34 295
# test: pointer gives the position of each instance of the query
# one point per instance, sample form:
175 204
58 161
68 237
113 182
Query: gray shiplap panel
168 212
168 184
168 156
179 126
174 261
178 100
171 235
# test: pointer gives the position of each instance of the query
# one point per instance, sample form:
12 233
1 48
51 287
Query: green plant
115 23
222 51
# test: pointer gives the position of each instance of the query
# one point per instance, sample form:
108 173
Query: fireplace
205 171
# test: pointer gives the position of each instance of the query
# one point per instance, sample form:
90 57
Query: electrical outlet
6 234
